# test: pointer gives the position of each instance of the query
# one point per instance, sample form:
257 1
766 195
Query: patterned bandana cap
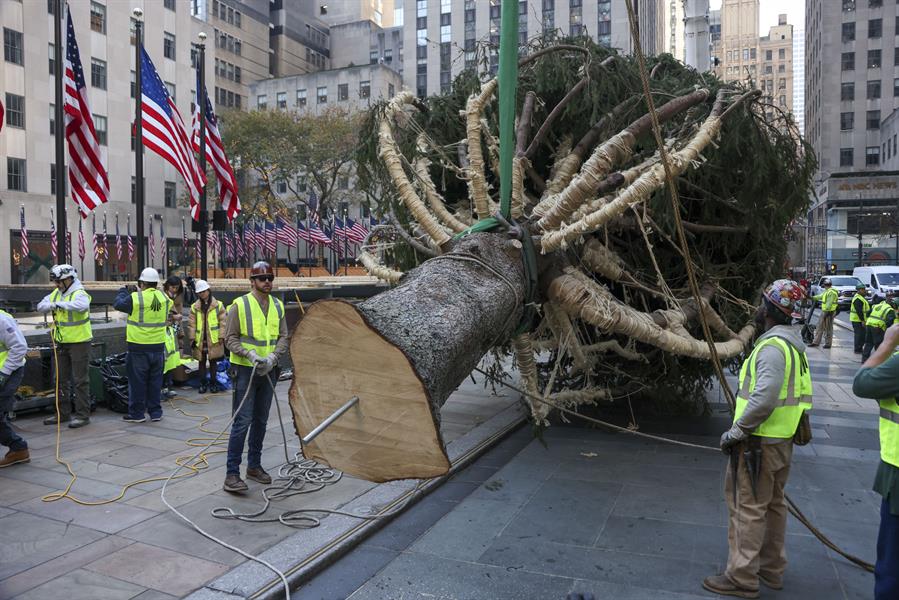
785 294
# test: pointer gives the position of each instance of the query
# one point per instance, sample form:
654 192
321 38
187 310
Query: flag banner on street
229 244
103 249
212 240
130 241
317 235
165 134
339 233
87 173
151 246
356 231
53 252
163 246
118 240
82 251
198 248
287 233
226 182
95 239
241 254
271 238
23 233
260 237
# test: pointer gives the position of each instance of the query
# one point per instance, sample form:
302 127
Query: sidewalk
628 518
136 548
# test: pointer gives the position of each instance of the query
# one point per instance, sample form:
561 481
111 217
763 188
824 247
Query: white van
879 279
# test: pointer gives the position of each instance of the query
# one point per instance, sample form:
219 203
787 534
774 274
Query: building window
98 17
343 182
322 94
847 121
168 45
388 55
15 174
875 28
236 74
875 3
12 46
169 4
373 57
391 90
872 120
133 26
133 190
15 110
133 82
53 179
171 89
262 101
281 187
874 90
100 128
874 59
782 83
896 54
847 61
301 97
896 87
343 91
281 99
847 91
849 32
364 89
169 196
51 54
52 119
98 73
846 157
872 156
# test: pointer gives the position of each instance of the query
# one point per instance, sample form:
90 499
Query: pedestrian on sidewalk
255 334
879 379
858 314
12 366
829 303
148 313
883 313
207 316
70 306
775 391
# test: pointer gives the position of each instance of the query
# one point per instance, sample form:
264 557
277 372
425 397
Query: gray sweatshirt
12 339
770 366
79 303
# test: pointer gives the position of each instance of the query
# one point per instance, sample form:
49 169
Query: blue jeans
144 371
886 570
253 417
8 437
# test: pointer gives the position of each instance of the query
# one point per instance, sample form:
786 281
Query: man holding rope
775 391
879 379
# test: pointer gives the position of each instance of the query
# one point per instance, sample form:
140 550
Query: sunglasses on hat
268 278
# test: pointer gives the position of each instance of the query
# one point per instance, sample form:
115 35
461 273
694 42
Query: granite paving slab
82 584
29 540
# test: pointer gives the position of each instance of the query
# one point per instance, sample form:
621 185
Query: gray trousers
825 328
72 360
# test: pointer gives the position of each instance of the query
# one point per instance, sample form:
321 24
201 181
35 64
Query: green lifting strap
508 93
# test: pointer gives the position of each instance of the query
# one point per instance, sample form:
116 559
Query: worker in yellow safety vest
775 391
207 318
12 367
148 316
70 306
256 337
883 313
858 314
829 300
878 379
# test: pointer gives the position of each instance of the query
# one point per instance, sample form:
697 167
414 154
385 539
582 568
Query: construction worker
859 311
883 313
775 390
70 305
878 379
174 289
148 314
829 303
256 335
207 315
12 362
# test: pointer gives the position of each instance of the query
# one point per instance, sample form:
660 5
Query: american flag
287 233
103 243
215 153
165 134
163 246
198 248
152 245
317 235
229 246
184 235
238 241
23 232
212 240
82 251
339 233
87 173
130 241
271 237
357 231
96 239
118 240
53 252
1 115
250 236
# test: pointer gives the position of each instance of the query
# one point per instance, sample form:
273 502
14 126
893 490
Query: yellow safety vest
854 317
200 320
829 300
172 355
879 315
795 393
4 351
889 431
71 326
258 332
146 325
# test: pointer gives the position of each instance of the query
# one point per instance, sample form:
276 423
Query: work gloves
731 438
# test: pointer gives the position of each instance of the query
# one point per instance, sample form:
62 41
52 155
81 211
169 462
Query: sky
769 9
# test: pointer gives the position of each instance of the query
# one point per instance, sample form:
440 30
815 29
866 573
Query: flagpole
346 216
139 141
308 235
201 102
60 166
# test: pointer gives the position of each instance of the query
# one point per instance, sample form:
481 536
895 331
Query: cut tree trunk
403 352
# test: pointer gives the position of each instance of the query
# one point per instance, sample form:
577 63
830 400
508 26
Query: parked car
845 287
880 279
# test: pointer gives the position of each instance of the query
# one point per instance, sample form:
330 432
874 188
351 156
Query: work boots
722 585
78 422
53 420
234 484
14 457
259 474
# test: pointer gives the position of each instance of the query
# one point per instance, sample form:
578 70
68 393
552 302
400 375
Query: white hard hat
200 285
149 275
58 272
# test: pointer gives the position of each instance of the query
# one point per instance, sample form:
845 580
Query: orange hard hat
261 268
